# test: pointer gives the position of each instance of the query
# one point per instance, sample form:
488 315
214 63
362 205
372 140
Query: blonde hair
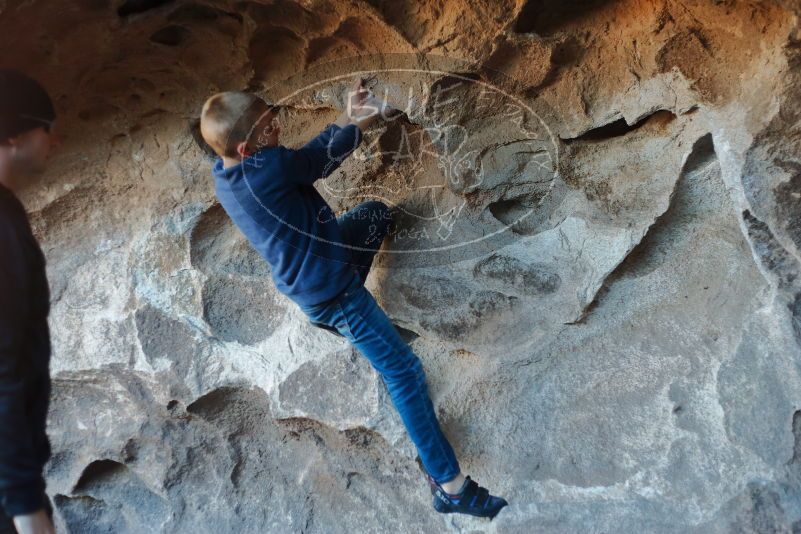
228 118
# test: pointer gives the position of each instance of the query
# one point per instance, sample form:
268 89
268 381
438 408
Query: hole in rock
194 130
327 46
99 472
521 215
211 403
620 127
109 483
361 437
545 17
508 212
795 309
703 153
199 13
231 405
240 309
407 335
164 337
275 53
172 35
527 278
132 7
217 246
796 460
662 239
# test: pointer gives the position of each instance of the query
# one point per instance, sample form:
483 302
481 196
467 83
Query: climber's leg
359 318
364 228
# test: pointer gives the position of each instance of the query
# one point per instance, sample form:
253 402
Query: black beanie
24 104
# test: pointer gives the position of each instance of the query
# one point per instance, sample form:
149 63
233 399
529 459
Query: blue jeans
356 315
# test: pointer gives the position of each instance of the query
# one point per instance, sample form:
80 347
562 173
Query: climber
26 137
321 262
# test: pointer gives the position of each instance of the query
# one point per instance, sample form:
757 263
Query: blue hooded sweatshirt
271 199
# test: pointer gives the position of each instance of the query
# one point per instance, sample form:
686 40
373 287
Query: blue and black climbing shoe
472 499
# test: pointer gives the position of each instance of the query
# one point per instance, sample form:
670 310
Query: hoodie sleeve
322 155
21 481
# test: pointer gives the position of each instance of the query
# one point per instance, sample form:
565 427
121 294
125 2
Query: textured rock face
603 280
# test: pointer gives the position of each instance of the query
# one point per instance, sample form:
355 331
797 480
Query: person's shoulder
218 169
225 177
268 161
11 227
12 213
270 152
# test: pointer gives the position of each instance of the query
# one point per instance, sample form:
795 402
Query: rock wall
603 285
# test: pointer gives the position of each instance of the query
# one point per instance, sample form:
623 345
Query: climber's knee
409 368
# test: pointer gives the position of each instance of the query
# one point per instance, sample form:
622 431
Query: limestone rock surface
597 256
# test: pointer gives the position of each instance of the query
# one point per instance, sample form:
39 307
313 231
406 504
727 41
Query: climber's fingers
358 91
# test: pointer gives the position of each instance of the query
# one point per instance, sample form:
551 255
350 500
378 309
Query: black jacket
24 361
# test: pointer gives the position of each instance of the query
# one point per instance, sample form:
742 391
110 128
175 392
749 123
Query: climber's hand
358 97
355 104
363 107
36 523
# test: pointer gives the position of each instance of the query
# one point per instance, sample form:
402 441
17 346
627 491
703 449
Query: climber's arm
322 155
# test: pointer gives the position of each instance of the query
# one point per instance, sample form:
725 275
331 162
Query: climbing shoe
472 499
